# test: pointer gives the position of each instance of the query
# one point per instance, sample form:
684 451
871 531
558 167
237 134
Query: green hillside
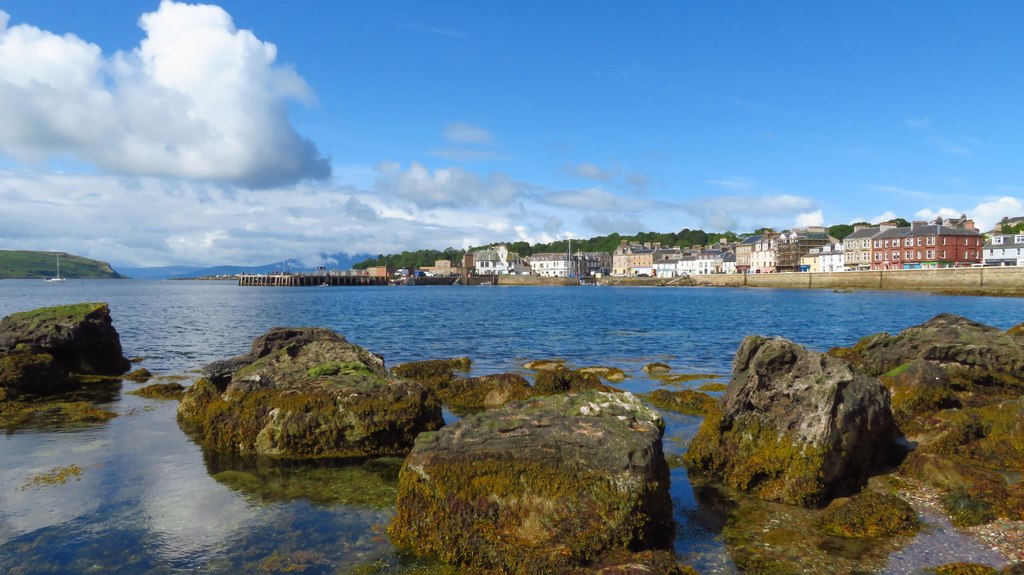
29 265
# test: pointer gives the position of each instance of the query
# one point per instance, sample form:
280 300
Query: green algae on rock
870 514
542 364
796 426
564 380
540 486
486 391
280 401
161 391
141 375
685 401
657 367
80 337
609 373
43 413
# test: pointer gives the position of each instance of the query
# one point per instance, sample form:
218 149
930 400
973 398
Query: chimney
886 226
917 224
969 225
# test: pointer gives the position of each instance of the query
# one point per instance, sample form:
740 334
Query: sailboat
57 278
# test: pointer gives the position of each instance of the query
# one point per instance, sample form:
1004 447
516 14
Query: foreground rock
41 349
540 486
306 393
957 396
81 337
796 426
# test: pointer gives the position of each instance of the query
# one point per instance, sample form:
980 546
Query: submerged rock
609 373
870 514
307 393
486 391
81 337
685 401
540 486
161 391
24 371
657 368
796 426
564 380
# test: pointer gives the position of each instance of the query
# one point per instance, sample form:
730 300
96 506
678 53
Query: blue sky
148 133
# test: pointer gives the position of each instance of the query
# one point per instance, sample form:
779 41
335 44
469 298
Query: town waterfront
149 500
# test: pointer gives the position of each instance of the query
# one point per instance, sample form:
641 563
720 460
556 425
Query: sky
148 133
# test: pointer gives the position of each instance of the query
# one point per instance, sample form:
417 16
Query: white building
496 261
552 265
1004 250
831 258
763 256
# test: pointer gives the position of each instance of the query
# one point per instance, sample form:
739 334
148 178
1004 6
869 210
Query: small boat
57 278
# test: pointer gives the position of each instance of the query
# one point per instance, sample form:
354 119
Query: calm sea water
149 500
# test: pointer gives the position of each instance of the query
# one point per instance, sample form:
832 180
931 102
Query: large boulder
539 486
307 393
80 337
23 371
796 426
971 353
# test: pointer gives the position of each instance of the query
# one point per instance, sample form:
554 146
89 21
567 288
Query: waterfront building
729 263
743 251
942 244
633 259
1004 250
497 261
796 243
762 254
832 258
594 263
552 265
857 247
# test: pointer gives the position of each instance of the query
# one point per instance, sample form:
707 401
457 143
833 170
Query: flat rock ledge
795 426
546 485
306 393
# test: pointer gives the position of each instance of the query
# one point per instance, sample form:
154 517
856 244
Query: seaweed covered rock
541 486
564 380
970 352
486 391
307 393
170 390
435 372
684 401
796 426
918 387
870 514
657 367
22 371
609 373
80 337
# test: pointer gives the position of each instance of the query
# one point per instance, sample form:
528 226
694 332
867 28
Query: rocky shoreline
864 447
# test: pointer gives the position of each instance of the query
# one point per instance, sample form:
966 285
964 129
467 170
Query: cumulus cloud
927 214
746 211
883 217
592 172
198 98
604 224
815 218
466 133
443 187
733 183
594 199
987 214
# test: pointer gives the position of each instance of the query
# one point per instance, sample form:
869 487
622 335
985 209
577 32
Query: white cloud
987 214
197 98
594 200
444 187
592 172
733 183
749 212
883 217
815 218
929 215
466 133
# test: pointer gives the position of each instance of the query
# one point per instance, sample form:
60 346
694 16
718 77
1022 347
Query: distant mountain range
341 261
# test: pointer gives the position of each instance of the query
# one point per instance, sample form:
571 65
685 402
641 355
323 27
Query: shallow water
148 500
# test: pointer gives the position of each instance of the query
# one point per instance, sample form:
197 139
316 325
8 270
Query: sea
149 500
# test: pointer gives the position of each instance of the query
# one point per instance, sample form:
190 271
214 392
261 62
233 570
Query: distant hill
17 264
339 261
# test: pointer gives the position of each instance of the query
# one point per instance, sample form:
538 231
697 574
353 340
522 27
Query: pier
309 280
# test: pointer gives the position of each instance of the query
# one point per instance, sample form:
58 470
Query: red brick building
926 246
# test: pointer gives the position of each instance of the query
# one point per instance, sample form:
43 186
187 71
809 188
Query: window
1018 239
909 254
918 254
943 254
931 254
919 242
895 256
930 241
878 256
943 241
878 243
997 240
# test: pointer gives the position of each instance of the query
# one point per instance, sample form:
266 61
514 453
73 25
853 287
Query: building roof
861 234
892 233
940 230
1008 241
751 239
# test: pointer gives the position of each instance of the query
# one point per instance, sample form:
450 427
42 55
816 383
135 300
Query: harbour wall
979 281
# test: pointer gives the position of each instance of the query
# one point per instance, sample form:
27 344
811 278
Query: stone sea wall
968 281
